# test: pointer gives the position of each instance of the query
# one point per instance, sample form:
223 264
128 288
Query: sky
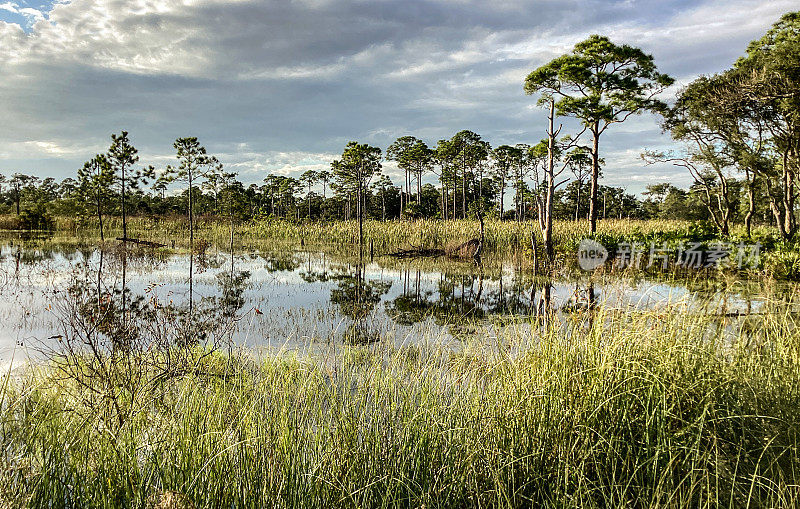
281 86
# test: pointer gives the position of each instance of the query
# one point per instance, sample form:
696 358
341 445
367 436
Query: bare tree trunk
360 213
124 217
595 177
454 196
502 193
191 246
444 201
547 231
402 206
100 213
464 192
751 201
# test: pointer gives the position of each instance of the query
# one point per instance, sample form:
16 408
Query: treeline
287 197
36 199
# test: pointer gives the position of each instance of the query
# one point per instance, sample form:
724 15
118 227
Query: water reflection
297 297
356 297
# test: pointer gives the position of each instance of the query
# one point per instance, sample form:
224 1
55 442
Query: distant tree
309 178
469 152
358 165
413 157
506 158
601 84
122 156
444 156
95 182
522 168
215 180
580 166
381 187
325 178
67 188
708 168
17 183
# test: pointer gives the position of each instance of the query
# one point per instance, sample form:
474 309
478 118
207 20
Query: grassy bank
647 409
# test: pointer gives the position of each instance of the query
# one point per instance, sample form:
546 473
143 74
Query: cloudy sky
281 86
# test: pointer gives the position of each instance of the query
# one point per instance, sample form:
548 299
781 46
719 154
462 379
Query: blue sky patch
24 12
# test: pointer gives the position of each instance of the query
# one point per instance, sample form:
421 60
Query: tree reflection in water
356 297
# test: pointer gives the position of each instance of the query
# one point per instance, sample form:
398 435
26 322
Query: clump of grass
656 408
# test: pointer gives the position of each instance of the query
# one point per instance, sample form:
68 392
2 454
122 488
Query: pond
292 298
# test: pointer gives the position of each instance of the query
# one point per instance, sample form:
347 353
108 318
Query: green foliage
600 81
36 217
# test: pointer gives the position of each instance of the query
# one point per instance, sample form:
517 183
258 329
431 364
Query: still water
284 299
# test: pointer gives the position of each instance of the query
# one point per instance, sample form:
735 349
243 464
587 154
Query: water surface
284 298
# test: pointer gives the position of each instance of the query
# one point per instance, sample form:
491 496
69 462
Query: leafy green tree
765 83
194 163
18 183
358 165
600 83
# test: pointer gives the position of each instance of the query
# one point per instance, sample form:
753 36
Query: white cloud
280 86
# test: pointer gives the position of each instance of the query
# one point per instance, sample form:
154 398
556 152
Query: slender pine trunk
595 177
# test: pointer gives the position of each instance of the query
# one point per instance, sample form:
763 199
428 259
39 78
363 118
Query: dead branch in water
141 242
467 250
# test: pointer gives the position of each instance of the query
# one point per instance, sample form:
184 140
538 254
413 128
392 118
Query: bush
36 218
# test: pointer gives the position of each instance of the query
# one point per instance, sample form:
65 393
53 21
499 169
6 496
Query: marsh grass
656 408
500 236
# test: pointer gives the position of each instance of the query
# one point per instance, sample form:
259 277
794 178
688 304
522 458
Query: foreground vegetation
645 409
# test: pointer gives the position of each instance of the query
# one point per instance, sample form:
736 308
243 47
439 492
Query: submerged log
141 242
469 249
417 252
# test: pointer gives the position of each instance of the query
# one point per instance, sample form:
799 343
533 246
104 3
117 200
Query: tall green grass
501 237
658 408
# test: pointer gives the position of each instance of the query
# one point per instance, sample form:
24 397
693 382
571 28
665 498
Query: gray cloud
283 85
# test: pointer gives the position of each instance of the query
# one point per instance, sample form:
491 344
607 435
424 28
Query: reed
501 237
656 408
